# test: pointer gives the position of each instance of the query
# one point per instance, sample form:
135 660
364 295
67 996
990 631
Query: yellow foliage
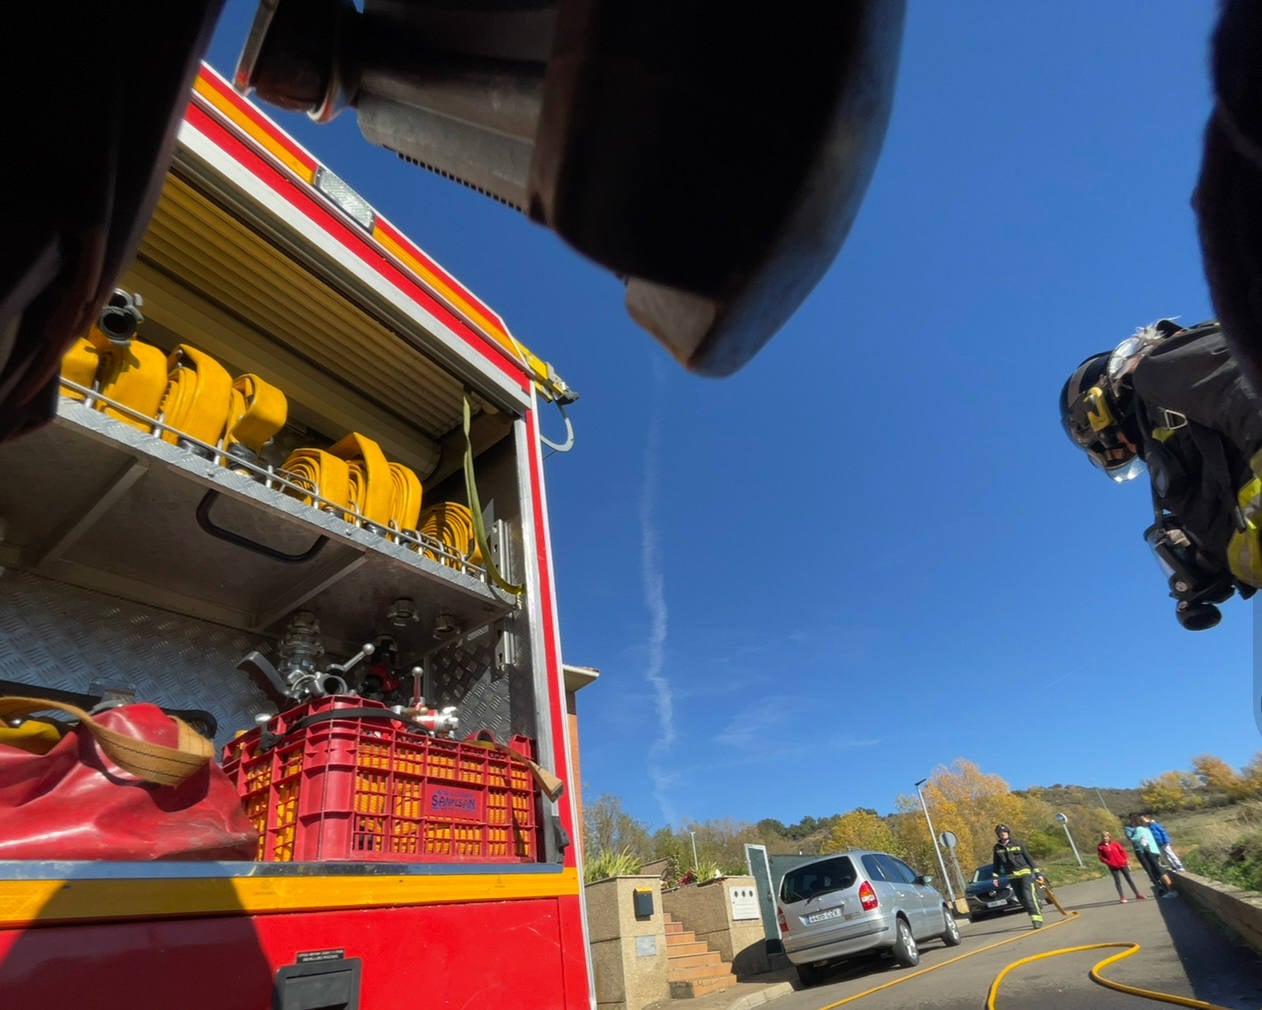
1216 773
1163 793
860 829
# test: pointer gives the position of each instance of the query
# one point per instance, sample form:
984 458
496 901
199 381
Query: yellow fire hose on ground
1129 948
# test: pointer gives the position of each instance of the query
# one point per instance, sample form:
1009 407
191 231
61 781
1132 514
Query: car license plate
832 913
995 904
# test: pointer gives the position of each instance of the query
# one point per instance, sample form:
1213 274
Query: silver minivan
848 903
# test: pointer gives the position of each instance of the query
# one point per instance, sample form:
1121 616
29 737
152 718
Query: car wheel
951 934
906 952
808 975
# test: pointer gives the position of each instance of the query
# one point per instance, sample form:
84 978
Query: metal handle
204 521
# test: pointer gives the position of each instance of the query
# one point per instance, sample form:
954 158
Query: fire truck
293 496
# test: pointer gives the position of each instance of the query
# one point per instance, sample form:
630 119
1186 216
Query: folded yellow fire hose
134 374
405 499
258 411
79 366
320 473
370 486
198 396
451 524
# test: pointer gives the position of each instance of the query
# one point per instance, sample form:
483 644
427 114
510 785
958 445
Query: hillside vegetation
1213 810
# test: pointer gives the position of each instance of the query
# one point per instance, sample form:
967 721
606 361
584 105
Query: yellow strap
1249 493
259 410
79 365
134 374
371 486
198 395
405 507
322 473
152 762
475 506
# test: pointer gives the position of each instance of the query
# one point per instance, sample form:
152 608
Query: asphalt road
1180 953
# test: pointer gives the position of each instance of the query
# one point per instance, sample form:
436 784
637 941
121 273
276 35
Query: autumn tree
1164 793
967 802
609 828
1249 785
861 829
1217 774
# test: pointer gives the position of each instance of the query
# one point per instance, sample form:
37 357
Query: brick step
682 947
701 957
673 928
692 988
716 969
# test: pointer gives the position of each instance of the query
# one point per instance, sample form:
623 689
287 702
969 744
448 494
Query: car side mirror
924 878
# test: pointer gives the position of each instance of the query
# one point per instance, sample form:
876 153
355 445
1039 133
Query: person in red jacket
1114 857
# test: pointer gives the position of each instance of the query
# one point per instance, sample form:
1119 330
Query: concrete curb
754 999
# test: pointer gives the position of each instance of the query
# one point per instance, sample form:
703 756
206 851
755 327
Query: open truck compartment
145 559
293 494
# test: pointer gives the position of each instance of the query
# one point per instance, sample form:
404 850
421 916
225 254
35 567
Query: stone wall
1236 908
718 912
628 951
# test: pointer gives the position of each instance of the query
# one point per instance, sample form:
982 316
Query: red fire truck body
142 565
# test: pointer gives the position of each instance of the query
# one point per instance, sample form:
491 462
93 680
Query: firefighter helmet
1099 418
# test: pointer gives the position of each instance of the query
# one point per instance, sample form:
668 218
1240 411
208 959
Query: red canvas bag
132 783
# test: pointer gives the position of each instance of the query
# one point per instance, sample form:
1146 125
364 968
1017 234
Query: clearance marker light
346 199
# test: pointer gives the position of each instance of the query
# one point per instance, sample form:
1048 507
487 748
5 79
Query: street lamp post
1064 823
693 834
934 838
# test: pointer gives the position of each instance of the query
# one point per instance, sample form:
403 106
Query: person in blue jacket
1146 850
1162 838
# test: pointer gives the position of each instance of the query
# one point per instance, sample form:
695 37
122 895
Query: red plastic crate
368 789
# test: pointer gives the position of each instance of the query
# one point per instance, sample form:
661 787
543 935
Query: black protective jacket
1199 425
1011 857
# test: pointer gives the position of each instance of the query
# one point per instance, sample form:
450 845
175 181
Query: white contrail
655 600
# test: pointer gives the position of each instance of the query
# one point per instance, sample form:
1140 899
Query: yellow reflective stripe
1098 414
254 130
31 902
488 327
1249 493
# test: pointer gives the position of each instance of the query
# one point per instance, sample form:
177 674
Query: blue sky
873 551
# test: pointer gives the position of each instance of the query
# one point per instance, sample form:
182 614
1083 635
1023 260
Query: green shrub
609 863
1239 863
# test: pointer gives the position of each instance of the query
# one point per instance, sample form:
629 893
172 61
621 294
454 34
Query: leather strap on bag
551 785
150 762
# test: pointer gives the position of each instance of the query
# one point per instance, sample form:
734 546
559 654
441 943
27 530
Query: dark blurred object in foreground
1228 197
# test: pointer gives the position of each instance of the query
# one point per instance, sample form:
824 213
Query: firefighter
1011 858
1170 399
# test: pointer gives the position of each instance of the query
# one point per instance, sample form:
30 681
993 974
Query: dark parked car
984 900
